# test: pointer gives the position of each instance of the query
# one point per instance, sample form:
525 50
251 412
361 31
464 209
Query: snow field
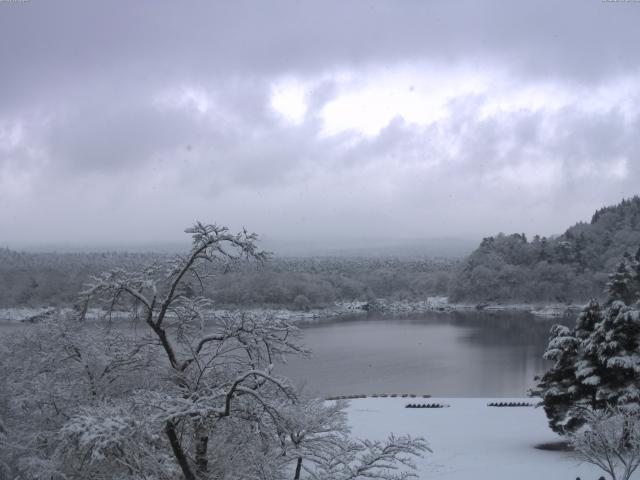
471 441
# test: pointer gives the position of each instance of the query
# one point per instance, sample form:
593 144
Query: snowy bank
431 304
25 314
471 440
441 304
400 307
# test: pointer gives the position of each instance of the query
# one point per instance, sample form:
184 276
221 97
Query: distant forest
53 279
571 267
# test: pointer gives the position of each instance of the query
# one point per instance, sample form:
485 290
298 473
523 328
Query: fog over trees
571 267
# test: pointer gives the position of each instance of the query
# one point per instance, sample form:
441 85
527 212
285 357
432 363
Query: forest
569 268
54 279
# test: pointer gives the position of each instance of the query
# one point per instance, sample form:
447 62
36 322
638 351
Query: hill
571 267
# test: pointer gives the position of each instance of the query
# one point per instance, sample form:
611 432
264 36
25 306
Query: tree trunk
201 444
181 457
298 469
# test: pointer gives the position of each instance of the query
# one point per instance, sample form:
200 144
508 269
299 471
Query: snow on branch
610 440
366 459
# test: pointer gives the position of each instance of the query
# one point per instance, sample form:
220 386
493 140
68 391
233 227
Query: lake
443 354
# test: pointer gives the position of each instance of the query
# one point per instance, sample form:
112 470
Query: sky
314 122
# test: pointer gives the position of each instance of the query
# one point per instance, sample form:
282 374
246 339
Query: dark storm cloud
585 38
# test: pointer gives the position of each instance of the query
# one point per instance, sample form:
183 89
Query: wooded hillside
570 267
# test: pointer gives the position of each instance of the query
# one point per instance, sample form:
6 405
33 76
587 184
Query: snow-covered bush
113 440
610 439
301 302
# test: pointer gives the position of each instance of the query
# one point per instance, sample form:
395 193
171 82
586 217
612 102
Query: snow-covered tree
612 357
391 459
558 385
178 392
624 283
51 370
185 392
113 440
610 439
314 429
597 363
215 367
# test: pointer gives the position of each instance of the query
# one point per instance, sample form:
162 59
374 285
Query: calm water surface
444 354
458 354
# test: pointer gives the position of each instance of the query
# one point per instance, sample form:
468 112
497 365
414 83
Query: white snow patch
471 440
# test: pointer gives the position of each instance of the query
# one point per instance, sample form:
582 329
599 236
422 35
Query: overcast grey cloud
123 122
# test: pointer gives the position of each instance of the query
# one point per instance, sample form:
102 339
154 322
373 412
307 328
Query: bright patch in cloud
418 94
288 98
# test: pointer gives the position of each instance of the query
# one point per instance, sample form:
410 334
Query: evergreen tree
558 384
597 363
623 283
615 350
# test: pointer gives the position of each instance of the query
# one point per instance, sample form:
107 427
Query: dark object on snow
426 405
509 404
561 446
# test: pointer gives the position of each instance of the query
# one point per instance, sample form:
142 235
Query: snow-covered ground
471 441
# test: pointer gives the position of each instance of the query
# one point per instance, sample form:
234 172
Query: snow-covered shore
431 304
441 304
471 440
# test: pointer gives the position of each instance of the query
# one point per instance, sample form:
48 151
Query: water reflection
458 354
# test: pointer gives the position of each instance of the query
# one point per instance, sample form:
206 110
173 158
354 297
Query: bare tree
610 440
322 447
389 459
212 362
316 429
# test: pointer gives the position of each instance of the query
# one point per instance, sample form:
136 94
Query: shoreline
338 309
